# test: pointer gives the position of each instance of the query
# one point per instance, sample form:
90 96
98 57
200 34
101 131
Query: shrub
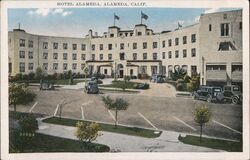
180 81
87 132
190 87
31 76
181 86
186 79
28 124
39 73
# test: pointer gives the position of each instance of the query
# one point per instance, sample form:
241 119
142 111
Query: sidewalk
167 142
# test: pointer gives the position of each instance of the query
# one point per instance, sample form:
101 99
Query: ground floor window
164 70
30 66
193 70
131 71
22 67
154 69
143 69
105 71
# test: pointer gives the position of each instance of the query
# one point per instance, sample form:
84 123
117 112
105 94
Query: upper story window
184 39
224 27
65 46
45 66
163 44
65 56
144 45
154 44
74 46
109 56
193 52
74 56
184 53
30 55
139 33
169 54
22 67
240 25
31 66
154 56
55 55
134 56
82 66
176 41
163 55
210 27
111 35
21 54
110 46
45 55
176 54
45 45
30 44
193 38
83 57
93 47
226 46
55 66
122 56
224 16
22 42
169 42
83 47
65 66
101 56
55 45
134 45
121 46
144 56
101 47
93 57
74 66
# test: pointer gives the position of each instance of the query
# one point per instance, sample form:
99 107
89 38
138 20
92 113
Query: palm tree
117 105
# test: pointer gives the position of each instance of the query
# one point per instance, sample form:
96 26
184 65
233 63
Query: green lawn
135 131
213 143
46 143
120 84
56 82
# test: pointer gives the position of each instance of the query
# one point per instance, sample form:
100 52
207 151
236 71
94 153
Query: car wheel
235 100
209 99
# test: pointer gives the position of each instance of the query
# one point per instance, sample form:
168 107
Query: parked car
91 87
157 78
233 94
46 85
209 94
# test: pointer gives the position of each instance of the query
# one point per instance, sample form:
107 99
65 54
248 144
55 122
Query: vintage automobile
232 94
157 78
91 87
209 94
46 85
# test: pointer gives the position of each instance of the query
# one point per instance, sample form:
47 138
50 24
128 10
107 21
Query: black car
91 87
233 94
209 93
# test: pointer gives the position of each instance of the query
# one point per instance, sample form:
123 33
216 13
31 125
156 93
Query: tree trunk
116 118
200 132
15 107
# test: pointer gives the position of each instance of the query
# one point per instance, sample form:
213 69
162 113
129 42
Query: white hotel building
212 47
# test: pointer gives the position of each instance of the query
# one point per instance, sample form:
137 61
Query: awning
237 76
216 75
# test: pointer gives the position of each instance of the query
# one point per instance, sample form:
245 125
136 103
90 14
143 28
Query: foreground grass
212 143
56 82
120 84
135 131
46 143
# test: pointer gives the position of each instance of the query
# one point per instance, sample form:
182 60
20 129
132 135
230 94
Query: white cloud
212 10
46 11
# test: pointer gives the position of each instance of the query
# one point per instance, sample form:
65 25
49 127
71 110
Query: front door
121 74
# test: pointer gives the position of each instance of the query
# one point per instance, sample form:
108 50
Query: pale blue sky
75 22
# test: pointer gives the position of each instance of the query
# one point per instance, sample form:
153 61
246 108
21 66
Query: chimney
90 33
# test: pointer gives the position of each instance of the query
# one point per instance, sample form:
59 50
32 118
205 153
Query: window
74 56
164 71
74 46
176 41
55 55
30 55
143 69
83 57
176 54
236 68
45 66
65 66
193 38
144 45
163 55
240 25
224 16
83 47
139 33
45 45
121 46
101 46
101 56
169 42
22 42
65 56
144 56
45 55
105 71
93 57
31 66
154 56
163 44
184 39
82 66
21 54
65 46
134 45
30 44
110 46
224 27
55 66
210 28
55 45
74 66
193 52
131 34
122 56
109 56
184 53
226 46
216 67
169 54
131 71
112 35
22 67
193 70
154 70
154 44
93 47
134 56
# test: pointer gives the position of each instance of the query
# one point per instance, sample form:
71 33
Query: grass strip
229 146
135 131
120 84
47 143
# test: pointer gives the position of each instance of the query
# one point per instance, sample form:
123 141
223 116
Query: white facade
212 47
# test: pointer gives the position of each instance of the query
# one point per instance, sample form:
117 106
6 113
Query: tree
28 124
201 116
179 73
39 73
117 105
19 94
87 132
